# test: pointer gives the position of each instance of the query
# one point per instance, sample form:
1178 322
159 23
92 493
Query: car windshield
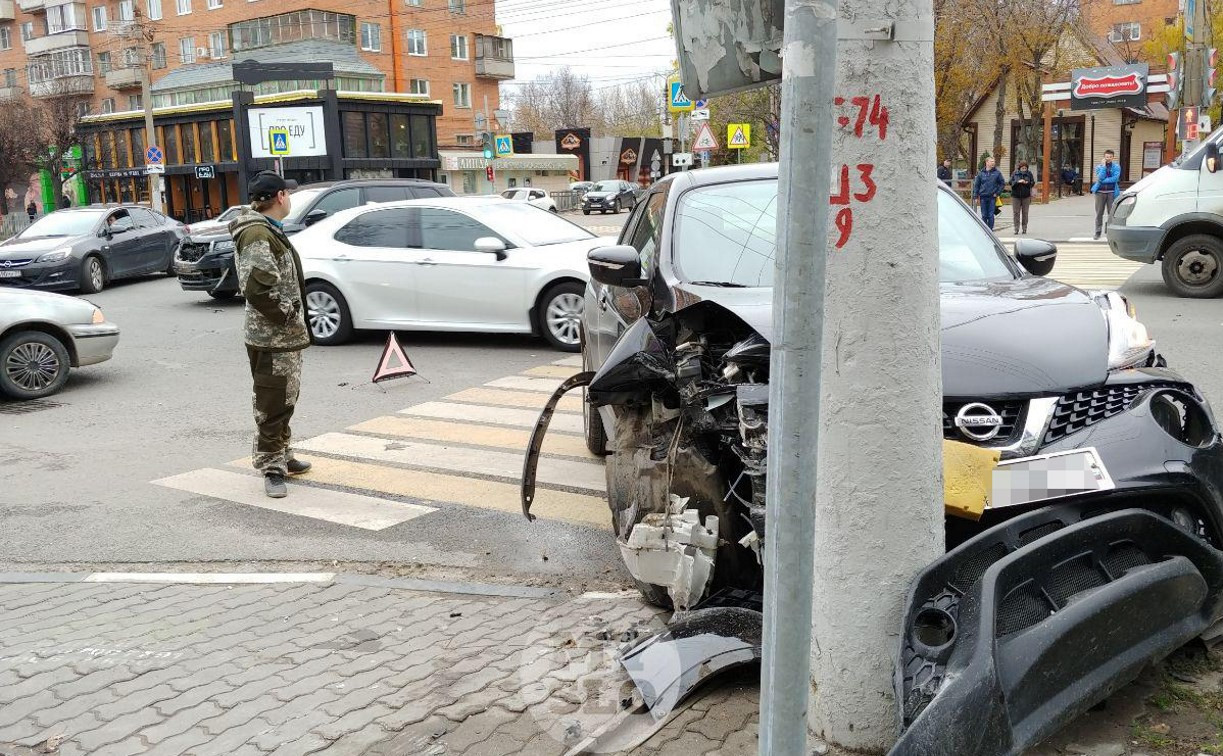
301 200
536 227
74 223
605 186
726 235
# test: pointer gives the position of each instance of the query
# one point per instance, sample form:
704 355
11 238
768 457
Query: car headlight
1129 344
98 317
224 246
1125 206
55 255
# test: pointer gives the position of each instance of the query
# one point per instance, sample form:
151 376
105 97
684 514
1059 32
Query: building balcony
32 6
73 84
55 42
494 57
10 93
123 78
495 68
8 10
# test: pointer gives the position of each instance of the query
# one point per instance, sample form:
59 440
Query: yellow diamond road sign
738 136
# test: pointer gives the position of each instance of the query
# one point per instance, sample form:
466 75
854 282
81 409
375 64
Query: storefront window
188 131
123 157
207 152
225 135
378 144
354 135
401 144
422 137
138 145
108 149
170 145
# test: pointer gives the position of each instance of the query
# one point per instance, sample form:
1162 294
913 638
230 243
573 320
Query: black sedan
81 249
609 197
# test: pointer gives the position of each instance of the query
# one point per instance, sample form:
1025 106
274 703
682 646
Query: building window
27 31
462 95
131 57
99 18
1126 2
103 62
1128 32
417 44
186 49
464 140
184 7
10 77
418 87
108 105
135 103
355 145
214 4
458 46
82 110
216 45
371 37
291 27
63 18
127 10
413 3
155 10
499 48
458 6
6 38
159 55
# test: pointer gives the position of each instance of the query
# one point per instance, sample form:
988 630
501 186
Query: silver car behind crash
43 336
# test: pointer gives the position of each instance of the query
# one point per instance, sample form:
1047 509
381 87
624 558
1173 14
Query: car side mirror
314 216
491 245
1212 157
1036 256
616 266
105 234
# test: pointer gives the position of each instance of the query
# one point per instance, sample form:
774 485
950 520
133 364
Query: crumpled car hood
1023 337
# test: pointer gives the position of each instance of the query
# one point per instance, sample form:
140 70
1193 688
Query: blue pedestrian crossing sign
504 144
677 101
278 140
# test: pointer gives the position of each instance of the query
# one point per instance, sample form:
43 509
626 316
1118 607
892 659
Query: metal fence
13 224
566 200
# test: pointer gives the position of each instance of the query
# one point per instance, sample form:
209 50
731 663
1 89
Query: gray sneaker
274 485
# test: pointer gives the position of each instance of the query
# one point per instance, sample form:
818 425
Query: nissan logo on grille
978 422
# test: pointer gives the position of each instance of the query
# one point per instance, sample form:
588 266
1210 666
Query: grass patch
1143 733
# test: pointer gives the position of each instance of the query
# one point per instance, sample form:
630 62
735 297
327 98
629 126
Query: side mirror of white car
492 246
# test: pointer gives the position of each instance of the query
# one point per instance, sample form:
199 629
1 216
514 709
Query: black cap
265 185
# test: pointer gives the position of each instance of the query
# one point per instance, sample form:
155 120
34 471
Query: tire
552 210
222 295
170 265
616 207
592 421
327 314
559 315
32 365
585 212
1193 267
93 275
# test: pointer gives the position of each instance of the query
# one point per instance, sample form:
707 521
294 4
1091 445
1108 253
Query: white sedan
537 197
447 264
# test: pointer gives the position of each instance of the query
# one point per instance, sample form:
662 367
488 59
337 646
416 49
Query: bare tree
557 101
19 144
630 109
56 118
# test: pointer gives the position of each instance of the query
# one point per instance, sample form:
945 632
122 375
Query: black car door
155 250
122 247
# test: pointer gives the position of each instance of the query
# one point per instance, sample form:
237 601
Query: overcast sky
610 41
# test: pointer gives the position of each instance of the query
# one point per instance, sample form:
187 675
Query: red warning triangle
394 362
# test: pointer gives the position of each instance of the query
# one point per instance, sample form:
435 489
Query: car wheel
327 314
592 421
560 315
552 209
585 212
616 207
1193 267
32 365
170 264
93 275
222 295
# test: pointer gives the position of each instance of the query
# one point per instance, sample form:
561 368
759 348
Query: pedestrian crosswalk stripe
565 473
442 488
574 361
552 371
518 418
514 439
339 507
1091 266
524 399
522 383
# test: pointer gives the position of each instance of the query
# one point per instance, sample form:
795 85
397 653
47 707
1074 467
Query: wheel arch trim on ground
51 329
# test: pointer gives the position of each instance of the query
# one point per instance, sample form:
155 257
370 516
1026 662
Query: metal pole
805 172
146 97
1048 147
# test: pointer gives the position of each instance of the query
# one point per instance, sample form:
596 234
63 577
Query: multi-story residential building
442 50
1130 24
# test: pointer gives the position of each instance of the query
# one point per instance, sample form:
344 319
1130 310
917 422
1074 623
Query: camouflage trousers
277 379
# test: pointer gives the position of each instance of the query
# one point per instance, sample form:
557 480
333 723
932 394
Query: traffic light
490 149
1208 78
490 173
1174 79
1189 123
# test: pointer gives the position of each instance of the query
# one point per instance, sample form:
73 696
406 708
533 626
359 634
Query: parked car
609 197
43 336
461 264
84 248
219 222
1062 581
1174 217
537 197
581 187
205 259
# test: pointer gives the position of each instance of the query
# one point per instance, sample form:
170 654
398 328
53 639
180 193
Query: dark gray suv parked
205 261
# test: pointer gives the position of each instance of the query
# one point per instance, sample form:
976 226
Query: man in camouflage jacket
271 279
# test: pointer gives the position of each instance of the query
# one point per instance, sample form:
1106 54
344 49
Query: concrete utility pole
146 35
879 512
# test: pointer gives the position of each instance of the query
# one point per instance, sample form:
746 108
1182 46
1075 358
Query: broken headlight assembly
1129 344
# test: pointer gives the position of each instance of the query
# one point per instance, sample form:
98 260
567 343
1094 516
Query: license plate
10 274
1049 476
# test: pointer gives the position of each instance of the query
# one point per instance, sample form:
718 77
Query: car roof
369 182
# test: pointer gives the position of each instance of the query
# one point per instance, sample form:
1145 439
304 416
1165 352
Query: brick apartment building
442 50
1130 24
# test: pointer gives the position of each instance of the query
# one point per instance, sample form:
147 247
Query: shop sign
118 173
299 132
1109 87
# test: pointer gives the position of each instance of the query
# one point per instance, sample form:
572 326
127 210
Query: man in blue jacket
986 187
1106 188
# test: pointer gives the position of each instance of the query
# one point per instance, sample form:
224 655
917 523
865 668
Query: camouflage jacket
270 276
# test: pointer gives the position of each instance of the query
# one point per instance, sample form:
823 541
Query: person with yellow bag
987 188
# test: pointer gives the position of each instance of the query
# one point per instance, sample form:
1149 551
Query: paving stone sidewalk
114 669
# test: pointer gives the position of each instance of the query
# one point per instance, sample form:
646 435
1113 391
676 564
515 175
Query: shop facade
466 172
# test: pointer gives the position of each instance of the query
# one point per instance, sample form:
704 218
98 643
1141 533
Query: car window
380 228
341 199
63 223
120 220
966 251
144 218
648 231
386 193
509 193
537 194
529 225
446 229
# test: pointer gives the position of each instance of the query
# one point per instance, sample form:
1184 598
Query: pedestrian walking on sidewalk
1022 182
986 188
944 172
1106 188
270 276
31 210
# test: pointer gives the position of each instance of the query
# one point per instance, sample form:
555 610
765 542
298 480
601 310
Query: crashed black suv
1097 551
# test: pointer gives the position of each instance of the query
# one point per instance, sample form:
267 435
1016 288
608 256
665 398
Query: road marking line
573 361
210 577
523 399
476 435
442 488
518 418
559 472
317 503
552 371
1085 240
521 383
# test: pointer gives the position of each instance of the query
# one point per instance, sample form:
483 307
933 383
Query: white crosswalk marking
1091 265
519 418
523 383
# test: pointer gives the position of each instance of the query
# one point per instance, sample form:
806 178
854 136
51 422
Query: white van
1176 215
